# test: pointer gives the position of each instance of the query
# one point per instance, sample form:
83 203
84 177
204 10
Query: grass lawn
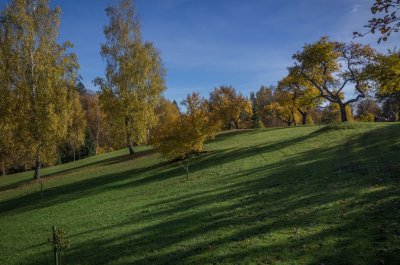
269 196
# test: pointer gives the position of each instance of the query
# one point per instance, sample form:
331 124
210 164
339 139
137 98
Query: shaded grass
288 196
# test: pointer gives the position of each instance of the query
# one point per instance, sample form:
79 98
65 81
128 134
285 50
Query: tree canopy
331 66
134 77
40 73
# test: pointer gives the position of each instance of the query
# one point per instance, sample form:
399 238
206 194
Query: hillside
270 196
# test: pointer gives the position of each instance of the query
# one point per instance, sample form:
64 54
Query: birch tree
134 78
43 73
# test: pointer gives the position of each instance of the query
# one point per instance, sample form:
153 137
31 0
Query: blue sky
207 43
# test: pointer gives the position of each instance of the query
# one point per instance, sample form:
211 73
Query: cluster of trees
47 115
316 83
39 103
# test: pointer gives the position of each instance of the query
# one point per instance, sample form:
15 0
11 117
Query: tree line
48 117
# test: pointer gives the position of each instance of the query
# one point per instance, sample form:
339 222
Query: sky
208 43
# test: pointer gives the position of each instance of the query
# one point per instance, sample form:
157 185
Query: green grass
271 196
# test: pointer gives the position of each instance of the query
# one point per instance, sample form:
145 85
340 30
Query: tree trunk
38 165
97 132
129 137
293 118
187 171
3 167
131 151
343 113
304 115
74 153
304 118
236 124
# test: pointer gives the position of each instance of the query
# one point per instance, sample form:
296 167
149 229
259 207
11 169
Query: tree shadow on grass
104 162
91 186
83 188
308 209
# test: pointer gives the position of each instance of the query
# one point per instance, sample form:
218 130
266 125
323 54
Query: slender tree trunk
185 165
97 130
293 118
343 113
187 171
129 137
236 124
3 168
74 153
38 165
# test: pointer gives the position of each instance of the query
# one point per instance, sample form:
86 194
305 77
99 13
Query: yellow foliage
77 124
367 117
230 107
283 107
42 72
134 78
179 135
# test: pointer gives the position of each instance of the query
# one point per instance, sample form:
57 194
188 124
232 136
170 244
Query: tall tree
7 98
134 77
331 66
43 74
263 98
255 118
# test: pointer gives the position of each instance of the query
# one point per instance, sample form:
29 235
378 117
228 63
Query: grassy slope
275 196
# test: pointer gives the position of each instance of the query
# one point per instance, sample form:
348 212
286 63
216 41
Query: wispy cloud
355 9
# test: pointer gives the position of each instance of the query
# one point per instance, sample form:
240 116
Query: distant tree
331 66
367 110
80 87
166 111
134 77
255 118
77 126
305 96
390 102
229 106
283 107
179 136
95 118
43 73
386 20
263 98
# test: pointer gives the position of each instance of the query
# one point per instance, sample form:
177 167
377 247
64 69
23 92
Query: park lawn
300 195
